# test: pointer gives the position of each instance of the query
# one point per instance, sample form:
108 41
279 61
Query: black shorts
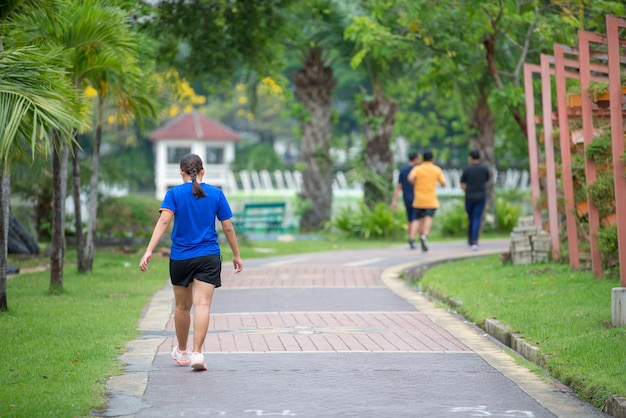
207 269
422 213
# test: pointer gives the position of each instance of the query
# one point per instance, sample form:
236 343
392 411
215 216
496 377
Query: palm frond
7 7
35 98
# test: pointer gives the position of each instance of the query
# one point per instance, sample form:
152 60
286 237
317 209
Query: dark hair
427 155
191 164
474 154
413 156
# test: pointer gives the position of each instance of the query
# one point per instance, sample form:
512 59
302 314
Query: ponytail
196 189
191 164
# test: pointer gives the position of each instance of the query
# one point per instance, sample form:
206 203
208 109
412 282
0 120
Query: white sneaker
474 247
197 362
180 357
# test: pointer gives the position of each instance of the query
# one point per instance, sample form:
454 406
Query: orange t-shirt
426 176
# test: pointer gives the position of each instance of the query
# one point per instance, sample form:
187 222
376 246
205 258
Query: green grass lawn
564 312
57 351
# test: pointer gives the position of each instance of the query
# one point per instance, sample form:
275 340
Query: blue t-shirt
194 233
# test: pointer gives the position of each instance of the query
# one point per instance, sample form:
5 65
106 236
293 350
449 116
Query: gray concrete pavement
333 334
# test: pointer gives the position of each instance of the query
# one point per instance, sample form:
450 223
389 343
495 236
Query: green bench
260 217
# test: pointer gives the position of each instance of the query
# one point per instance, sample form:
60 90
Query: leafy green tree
215 38
36 102
473 51
426 119
383 65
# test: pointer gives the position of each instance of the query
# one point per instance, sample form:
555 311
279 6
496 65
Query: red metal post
533 152
546 100
584 39
566 155
613 23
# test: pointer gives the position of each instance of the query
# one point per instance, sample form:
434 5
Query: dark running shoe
424 242
412 244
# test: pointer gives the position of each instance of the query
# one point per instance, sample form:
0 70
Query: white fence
291 181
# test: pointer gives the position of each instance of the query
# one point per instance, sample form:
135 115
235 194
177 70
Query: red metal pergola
597 57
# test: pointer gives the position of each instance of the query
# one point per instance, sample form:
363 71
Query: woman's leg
202 297
183 300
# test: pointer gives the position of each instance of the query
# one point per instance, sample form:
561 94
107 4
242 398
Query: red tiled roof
193 126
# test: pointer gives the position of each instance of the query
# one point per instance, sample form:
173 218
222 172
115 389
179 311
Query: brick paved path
332 334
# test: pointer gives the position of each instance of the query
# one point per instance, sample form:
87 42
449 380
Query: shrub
599 149
127 216
602 192
362 222
453 221
507 215
607 243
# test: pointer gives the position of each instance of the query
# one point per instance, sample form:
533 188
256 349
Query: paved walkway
333 334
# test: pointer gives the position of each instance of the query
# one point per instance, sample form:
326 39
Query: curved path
333 334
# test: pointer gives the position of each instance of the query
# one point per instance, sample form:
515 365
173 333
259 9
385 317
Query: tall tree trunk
4 227
380 114
93 192
59 185
314 87
5 191
42 209
78 216
483 123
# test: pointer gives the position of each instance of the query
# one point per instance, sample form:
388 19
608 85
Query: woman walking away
195 259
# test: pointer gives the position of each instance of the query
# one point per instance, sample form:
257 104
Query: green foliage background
128 216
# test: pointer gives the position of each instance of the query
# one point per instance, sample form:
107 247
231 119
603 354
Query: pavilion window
214 155
175 154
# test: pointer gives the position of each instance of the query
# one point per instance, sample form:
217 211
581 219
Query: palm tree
123 82
118 78
314 85
93 49
383 66
322 45
49 27
35 99
379 111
